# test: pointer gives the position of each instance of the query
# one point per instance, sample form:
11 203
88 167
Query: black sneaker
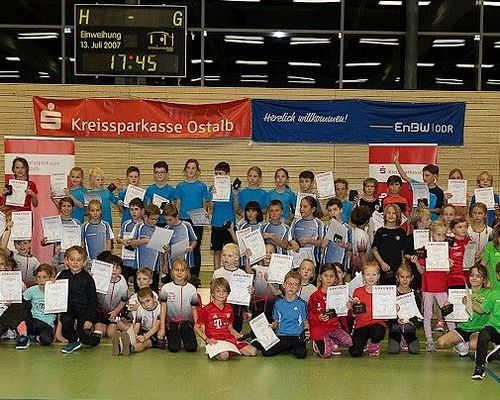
493 354
478 372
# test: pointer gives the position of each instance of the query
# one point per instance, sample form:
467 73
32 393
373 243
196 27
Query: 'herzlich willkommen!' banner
357 121
119 118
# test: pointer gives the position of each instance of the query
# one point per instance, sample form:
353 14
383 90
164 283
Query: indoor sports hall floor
93 373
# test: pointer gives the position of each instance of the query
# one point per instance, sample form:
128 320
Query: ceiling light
492 3
362 64
303 64
250 62
254 76
302 78
12 58
493 82
254 80
360 80
465 65
279 34
423 64
198 61
380 41
244 39
309 40
316 1
37 35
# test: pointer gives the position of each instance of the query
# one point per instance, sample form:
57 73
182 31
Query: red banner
118 118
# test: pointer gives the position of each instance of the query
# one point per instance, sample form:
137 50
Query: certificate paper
337 298
240 235
160 238
178 250
220 347
3 223
278 267
222 188
355 283
91 195
239 283
255 243
18 196
126 253
52 229
101 272
485 196
11 287
56 296
158 200
407 307
21 228
132 193
459 314
469 256
325 185
437 256
458 190
199 217
420 238
72 236
336 232
420 191
300 196
263 332
384 302
304 253
58 182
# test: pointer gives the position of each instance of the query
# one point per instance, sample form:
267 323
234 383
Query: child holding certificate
403 332
21 170
183 235
457 276
367 331
283 193
464 336
369 198
306 272
326 331
490 333
215 322
337 250
179 301
110 305
133 178
253 191
252 218
361 245
434 287
485 180
478 231
388 244
78 320
97 235
289 321
160 191
307 231
230 258
449 213
275 230
97 189
40 326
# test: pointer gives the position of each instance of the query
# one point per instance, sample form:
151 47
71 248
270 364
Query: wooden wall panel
481 149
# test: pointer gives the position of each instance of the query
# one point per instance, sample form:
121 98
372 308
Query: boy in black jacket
82 302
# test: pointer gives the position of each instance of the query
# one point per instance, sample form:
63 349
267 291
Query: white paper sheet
72 236
384 302
437 256
127 254
11 287
240 235
300 196
407 307
469 256
56 296
158 200
325 185
420 191
239 283
178 249
221 190
91 195
220 347
263 332
420 238
22 223
18 196
458 190
160 238
336 231
355 283
279 266
485 196
337 298
101 272
459 314
132 193
303 254
52 229
255 243
199 217
58 182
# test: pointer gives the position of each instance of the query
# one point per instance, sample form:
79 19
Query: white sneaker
462 349
10 334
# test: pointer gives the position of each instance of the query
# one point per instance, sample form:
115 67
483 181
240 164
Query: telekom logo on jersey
50 119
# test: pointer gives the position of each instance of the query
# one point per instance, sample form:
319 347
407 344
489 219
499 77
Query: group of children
296 309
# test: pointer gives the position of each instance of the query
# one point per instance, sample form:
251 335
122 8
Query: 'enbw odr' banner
149 119
357 121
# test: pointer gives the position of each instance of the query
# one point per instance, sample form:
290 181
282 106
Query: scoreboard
129 40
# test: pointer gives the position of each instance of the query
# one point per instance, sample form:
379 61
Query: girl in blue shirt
283 193
253 192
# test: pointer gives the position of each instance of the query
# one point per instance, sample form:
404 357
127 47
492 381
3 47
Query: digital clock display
122 40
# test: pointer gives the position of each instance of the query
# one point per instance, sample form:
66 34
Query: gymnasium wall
481 150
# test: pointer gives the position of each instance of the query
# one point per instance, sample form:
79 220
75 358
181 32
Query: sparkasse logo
50 119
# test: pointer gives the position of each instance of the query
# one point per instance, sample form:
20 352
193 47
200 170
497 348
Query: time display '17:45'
133 62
